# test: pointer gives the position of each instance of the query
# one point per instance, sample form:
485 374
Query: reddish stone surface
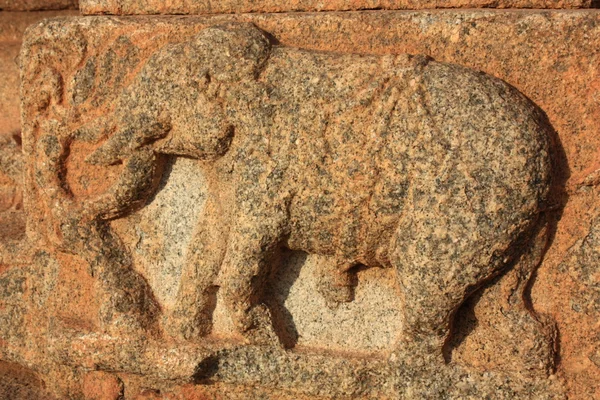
134 7
12 26
20 383
100 385
33 5
552 57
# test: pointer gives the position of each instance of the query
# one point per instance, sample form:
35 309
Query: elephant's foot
536 347
421 352
336 287
183 326
128 306
257 328
130 324
124 315
334 295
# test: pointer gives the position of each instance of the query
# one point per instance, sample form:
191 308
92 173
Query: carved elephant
398 161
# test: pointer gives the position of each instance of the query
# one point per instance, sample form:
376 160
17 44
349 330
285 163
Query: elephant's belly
343 227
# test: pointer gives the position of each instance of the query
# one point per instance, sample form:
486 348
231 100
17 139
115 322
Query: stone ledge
305 373
132 7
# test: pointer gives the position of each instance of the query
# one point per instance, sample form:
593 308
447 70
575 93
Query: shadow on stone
206 369
283 320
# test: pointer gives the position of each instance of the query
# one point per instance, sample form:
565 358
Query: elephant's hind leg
531 337
336 280
438 266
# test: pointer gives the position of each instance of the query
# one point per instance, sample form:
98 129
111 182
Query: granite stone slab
76 70
133 7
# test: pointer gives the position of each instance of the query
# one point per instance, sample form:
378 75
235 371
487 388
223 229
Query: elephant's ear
233 51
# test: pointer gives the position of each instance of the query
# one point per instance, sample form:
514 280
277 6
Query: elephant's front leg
252 246
139 178
191 317
128 304
128 299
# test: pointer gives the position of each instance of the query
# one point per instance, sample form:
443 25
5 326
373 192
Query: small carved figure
432 169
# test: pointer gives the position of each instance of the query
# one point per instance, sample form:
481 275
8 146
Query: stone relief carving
434 170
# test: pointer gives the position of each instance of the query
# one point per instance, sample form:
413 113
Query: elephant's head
205 68
231 52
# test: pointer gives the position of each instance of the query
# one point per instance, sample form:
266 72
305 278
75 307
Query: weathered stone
9 89
122 68
336 155
12 26
98 385
581 291
122 7
12 217
31 5
19 383
11 170
16 382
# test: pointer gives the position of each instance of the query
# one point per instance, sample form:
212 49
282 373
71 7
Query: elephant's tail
539 351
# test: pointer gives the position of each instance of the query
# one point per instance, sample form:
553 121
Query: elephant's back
500 138
406 135
480 162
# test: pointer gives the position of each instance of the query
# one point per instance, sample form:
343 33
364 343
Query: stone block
134 7
15 382
12 217
9 89
116 212
98 385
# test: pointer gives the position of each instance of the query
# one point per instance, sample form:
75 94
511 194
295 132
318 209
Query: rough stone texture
549 56
33 5
12 26
581 291
381 145
99 385
12 217
9 88
136 7
18 383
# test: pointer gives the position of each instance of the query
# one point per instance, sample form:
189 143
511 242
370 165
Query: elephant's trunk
124 142
107 154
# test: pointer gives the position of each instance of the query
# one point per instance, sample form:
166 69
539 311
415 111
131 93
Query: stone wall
300 200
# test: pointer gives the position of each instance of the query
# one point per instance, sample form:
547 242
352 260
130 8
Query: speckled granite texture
12 26
36 5
311 206
136 7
